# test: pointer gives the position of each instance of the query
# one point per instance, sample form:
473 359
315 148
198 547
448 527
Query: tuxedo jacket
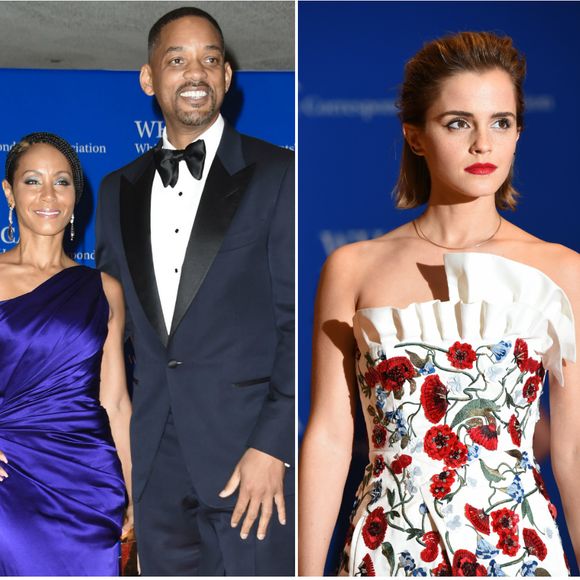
226 368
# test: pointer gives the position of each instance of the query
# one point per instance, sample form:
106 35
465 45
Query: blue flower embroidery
529 568
397 418
501 350
376 491
428 369
423 509
472 452
381 399
515 490
495 569
419 572
406 561
525 460
485 550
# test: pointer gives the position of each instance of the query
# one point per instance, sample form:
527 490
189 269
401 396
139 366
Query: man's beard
196 117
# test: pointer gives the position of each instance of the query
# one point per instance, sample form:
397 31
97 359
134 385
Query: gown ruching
61 508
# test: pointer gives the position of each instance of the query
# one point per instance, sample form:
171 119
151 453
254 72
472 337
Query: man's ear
146 80
229 73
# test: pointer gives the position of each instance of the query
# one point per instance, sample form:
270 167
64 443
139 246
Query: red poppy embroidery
541 371
553 510
531 388
461 355
393 372
540 483
379 436
515 430
431 551
442 483
372 378
465 564
521 354
532 365
396 467
504 521
534 544
400 463
509 544
457 455
378 465
442 569
434 398
439 441
375 528
366 567
478 518
485 435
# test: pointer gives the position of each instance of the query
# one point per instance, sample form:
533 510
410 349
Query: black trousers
178 535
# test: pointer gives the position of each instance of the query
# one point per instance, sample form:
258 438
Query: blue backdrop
110 121
351 58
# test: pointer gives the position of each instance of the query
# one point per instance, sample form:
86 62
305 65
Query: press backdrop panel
110 121
351 60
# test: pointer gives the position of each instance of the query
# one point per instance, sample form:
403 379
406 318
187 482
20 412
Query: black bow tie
167 161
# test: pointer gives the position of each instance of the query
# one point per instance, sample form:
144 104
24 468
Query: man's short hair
176 14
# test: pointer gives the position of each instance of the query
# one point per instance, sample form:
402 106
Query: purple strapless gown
61 508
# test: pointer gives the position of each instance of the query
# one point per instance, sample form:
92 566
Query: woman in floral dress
445 328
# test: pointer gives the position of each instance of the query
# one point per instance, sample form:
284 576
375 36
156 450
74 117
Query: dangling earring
72 227
10 224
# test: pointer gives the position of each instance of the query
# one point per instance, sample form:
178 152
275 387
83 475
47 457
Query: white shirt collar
212 136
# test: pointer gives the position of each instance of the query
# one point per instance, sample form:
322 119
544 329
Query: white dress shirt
173 211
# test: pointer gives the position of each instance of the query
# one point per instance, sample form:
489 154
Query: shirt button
176 270
180 193
177 231
173 364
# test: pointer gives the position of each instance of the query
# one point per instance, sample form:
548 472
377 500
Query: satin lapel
136 228
220 199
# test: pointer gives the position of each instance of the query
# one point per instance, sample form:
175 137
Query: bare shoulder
366 253
114 293
561 264
558 262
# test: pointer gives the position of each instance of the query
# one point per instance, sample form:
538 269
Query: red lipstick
481 168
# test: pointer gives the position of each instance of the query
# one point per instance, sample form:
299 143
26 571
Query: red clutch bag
128 563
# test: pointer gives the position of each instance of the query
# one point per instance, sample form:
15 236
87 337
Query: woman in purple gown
64 407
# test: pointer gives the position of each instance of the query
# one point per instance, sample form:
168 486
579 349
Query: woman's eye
63 182
31 181
457 124
502 123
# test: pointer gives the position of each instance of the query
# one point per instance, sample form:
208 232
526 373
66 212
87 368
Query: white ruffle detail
490 298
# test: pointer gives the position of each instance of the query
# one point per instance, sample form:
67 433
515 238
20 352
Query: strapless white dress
450 393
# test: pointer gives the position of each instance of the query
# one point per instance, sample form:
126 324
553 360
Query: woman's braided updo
54 141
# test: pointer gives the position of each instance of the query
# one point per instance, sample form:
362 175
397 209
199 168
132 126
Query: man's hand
260 477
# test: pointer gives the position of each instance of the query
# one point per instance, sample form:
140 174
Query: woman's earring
10 224
72 227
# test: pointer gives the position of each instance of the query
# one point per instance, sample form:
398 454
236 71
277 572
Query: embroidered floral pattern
449 422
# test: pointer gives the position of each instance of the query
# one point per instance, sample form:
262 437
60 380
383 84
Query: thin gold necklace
422 235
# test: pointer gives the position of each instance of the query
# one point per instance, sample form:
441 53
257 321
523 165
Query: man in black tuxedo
200 231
